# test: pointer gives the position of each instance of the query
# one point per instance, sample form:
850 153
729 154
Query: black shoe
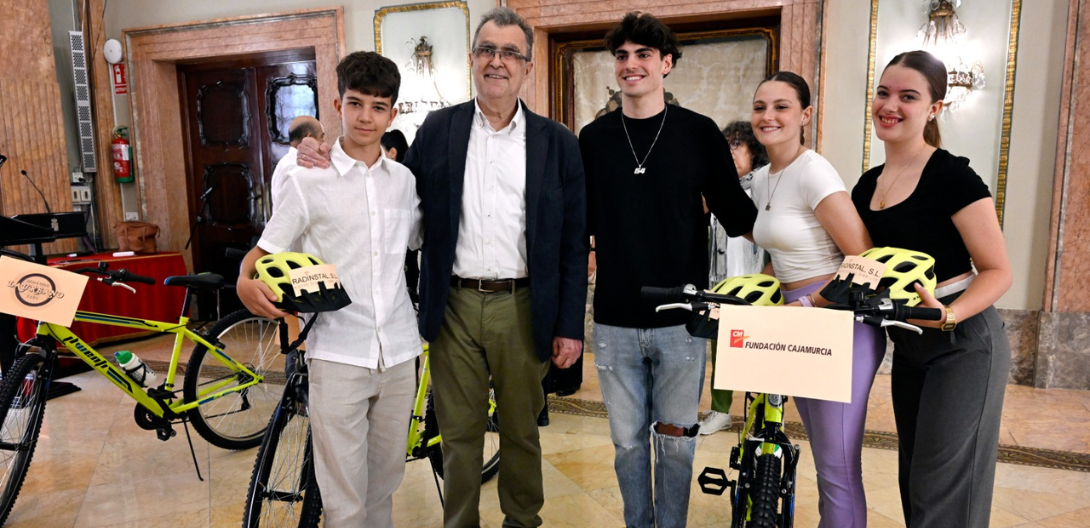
543 418
567 391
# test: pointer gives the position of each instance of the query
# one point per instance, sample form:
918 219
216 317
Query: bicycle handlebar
121 275
871 311
664 295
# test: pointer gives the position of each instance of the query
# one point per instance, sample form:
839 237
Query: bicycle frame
415 447
118 377
763 435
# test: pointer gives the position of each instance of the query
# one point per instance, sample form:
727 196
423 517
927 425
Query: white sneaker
714 421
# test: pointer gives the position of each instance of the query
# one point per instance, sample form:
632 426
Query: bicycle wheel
282 490
491 454
236 420
766 496
22 407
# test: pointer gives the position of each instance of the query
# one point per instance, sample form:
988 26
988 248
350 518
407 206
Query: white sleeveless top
800 248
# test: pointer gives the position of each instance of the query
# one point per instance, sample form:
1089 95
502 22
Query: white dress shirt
492 230
361 219
280 173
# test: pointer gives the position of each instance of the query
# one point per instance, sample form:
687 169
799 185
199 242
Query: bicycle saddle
204 281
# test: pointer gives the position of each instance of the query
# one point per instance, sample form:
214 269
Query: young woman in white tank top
807 222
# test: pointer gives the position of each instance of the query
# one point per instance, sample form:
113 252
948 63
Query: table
158 302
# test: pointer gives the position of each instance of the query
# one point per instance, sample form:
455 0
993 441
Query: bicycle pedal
165 433
713 481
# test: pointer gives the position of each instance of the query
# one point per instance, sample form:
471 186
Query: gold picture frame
562 79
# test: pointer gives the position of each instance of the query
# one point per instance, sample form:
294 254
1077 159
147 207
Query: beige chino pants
359 420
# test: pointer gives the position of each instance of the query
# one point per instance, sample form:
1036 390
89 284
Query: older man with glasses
503 279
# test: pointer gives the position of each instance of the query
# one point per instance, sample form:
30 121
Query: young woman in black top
948 383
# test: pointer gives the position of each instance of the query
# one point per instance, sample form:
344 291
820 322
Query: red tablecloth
159 303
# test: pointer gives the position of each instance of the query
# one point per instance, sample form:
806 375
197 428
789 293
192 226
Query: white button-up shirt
492 231
286 164
361 219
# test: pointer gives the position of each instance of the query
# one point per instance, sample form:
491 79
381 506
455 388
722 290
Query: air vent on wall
83 102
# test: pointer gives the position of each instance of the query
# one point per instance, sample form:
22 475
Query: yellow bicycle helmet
273 270
757 289
904 267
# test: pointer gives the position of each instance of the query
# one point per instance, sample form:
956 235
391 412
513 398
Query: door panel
238 113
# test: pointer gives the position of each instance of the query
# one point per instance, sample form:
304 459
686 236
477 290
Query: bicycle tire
766 496
490 455
22 408
237 420
284 472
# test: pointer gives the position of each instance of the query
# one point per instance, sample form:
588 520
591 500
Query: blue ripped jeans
651 375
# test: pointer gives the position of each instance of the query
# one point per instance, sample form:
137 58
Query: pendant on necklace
881 204
768 207
639 170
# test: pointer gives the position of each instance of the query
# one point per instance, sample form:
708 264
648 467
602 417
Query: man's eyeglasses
734 144
488 52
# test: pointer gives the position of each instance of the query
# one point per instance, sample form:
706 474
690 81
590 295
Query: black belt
490 285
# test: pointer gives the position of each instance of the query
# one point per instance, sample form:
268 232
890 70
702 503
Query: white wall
1034 119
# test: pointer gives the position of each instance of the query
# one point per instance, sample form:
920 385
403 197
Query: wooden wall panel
32 127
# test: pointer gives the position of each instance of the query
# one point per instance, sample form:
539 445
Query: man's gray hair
502 17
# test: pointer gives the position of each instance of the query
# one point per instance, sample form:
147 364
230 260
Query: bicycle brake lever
121 284
901 324
671 306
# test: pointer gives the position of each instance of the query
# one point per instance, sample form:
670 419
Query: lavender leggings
836 430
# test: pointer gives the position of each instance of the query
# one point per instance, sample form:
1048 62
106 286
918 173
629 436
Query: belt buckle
480 287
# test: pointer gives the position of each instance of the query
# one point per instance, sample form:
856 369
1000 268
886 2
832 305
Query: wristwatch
950 323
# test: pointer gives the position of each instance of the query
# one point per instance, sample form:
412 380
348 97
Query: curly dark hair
743 131
369 73
645 29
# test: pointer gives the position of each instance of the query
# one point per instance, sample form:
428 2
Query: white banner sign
785 350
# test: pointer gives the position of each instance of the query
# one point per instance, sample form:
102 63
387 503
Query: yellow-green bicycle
232 383
283 491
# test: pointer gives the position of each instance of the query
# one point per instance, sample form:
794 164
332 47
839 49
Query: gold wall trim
1008 110
383 11
1008 102
868 97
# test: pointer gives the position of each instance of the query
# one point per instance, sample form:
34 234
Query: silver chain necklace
639 164
779 178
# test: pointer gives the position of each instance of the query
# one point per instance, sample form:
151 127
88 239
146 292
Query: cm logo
738 338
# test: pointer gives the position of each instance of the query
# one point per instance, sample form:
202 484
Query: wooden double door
236 113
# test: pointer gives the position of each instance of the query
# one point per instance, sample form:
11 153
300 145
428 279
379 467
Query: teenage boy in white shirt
359 214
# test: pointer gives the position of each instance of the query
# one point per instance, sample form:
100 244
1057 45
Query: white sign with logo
39 292
307 279
785 350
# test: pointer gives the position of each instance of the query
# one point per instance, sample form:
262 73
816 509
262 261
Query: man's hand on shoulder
258 298
312 154
566 351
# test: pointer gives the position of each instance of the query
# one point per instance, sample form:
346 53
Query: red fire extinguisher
121 152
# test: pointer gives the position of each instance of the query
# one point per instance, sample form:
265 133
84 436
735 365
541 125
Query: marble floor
95 468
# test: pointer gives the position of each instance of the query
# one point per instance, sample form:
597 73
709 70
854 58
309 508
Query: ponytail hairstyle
934 71
802 89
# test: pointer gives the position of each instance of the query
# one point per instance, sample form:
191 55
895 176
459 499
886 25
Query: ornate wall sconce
940 35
